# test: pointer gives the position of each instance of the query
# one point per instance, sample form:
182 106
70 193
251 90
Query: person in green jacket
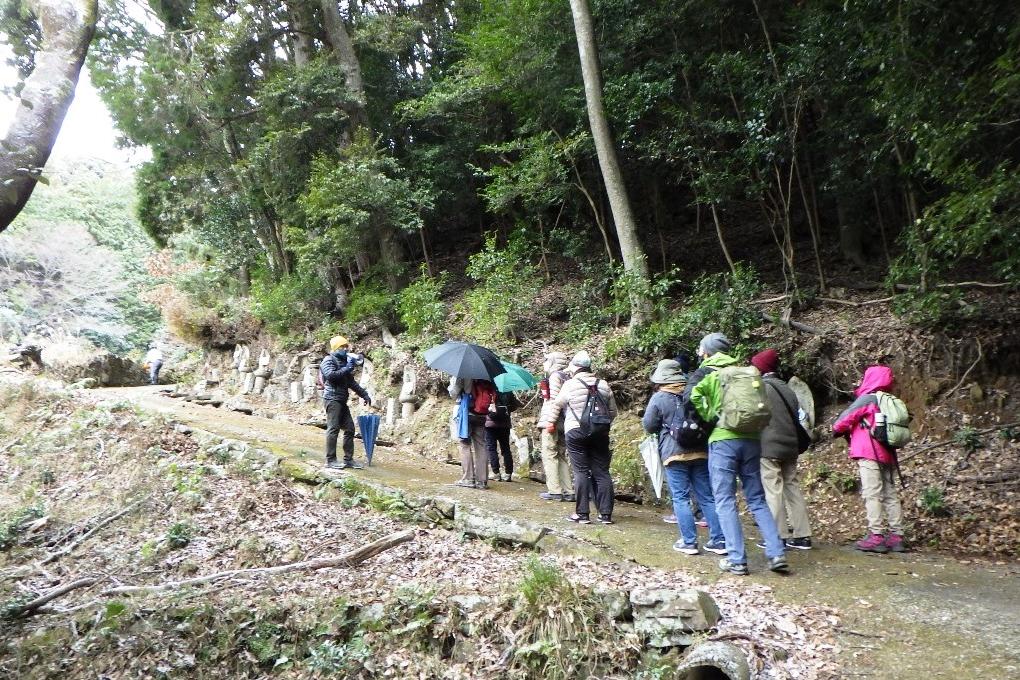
732 455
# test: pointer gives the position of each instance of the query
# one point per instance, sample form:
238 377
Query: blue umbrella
369 426
516 378
464 360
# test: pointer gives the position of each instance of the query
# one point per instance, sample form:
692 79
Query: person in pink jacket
875 462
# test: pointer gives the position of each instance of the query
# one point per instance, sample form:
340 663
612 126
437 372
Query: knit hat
554 361
766 361
581 360
714 343
668 372
338 342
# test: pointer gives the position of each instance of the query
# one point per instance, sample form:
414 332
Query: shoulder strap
783 399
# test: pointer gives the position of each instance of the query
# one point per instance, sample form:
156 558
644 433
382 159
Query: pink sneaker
894 542
872 543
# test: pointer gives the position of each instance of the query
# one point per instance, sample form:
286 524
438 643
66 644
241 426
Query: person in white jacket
558 484
589 451
154 360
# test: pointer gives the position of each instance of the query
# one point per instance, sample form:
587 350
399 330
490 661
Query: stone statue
408 398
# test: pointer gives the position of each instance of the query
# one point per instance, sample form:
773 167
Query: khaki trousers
474 459
782 493
878 489
554 461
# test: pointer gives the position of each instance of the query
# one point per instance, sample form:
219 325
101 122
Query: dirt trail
903 616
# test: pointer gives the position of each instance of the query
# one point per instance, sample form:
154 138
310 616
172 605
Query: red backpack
483 394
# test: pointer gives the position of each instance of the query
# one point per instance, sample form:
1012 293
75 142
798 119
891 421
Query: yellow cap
338 342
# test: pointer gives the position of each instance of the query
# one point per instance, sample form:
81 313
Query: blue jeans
727 460
682 478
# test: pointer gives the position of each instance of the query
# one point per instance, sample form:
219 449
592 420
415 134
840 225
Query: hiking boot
737 569
568 498
605 519
551 496
799 543
579 519
779 564
334 464
701 523
685 548
351 465
482 486
872 543
719 548
894 542
669 519
506 477
466 483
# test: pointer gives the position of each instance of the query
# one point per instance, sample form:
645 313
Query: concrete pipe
714 661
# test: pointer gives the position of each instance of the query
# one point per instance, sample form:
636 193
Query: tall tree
66 27
634 261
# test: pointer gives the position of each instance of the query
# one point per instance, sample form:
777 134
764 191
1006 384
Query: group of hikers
713 425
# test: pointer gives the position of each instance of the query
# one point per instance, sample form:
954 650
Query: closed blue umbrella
369 426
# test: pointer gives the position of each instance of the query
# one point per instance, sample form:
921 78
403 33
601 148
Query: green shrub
506 285
541 583
290 304
370 300
717 303
969 439
588 300
933 501
421 307
14 523
179 535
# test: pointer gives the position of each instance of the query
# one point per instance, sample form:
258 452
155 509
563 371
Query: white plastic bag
649 449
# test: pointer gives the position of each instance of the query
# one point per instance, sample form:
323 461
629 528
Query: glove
356 359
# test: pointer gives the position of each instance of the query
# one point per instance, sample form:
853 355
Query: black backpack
595 418
687 426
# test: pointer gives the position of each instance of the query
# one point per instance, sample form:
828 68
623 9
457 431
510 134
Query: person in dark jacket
686 469
337 370
497 434
779 452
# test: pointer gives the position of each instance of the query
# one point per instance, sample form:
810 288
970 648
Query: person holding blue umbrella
337 371
472 369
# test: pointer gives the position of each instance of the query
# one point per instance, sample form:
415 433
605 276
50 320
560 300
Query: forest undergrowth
438 606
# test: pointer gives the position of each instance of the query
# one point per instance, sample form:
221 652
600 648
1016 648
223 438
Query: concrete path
915 615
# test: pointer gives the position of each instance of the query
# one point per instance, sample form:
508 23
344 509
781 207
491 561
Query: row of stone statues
295 378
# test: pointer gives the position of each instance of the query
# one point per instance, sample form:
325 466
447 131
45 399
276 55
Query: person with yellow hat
337 370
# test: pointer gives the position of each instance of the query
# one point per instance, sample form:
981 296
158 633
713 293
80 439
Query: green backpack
745 407
895 430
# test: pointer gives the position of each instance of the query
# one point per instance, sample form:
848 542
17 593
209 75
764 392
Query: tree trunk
634 260
67 28
301 22
343 49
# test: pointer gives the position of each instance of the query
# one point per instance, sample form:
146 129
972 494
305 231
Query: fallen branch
863 303
32 605
84 537
989 479
796 325
961 284
937 445
850 631
765 301
967 372
351 559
